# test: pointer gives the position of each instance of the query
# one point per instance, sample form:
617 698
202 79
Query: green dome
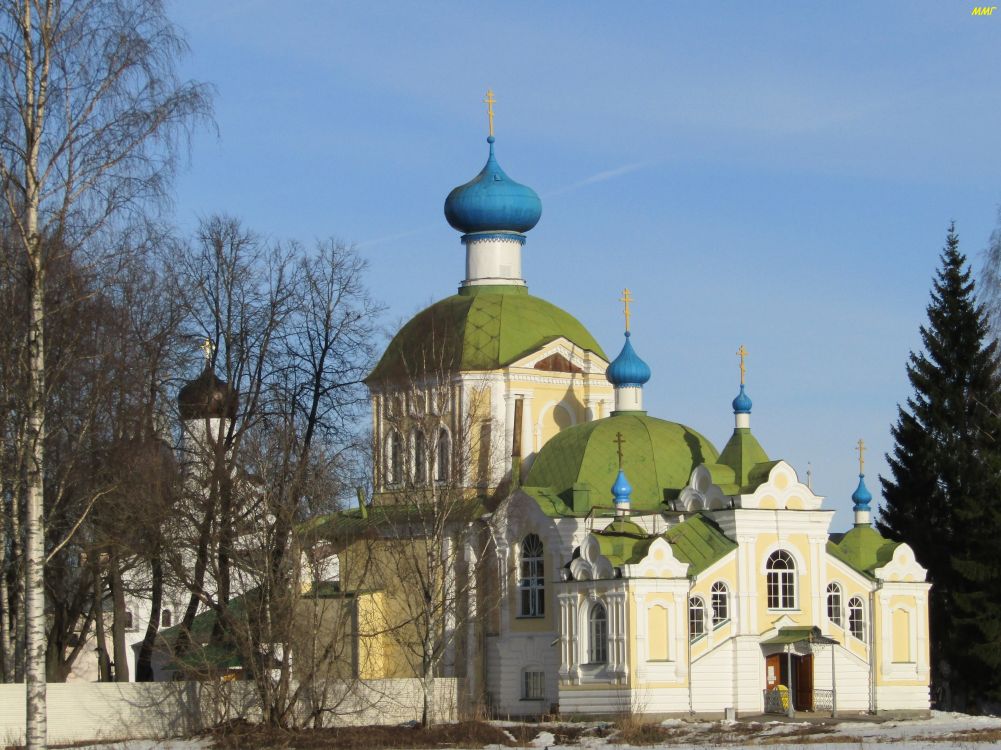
580 463
480 328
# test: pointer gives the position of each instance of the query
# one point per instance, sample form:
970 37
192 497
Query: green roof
699 542
579 464
862 548
786 636
352 523
623 542
744 454
480 328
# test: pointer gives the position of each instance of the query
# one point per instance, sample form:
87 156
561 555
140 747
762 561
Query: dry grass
463 734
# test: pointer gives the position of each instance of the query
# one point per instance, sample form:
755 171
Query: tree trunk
103 663
144 662
118 623
34 558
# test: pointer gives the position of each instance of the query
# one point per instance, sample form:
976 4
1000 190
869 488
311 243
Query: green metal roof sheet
863 549
480 328
580 463
788 636
699 542
743 453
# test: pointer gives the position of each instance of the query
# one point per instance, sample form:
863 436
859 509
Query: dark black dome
207 397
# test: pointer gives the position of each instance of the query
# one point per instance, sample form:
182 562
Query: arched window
597 634
441 474
856 618
394 457
532 582
719 598
166 618
696 618
834 604
420 459
781 580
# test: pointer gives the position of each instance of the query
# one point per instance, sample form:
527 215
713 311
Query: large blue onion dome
742 404
861 497
493 202
628 369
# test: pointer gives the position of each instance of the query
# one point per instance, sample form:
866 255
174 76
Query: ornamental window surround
420 458
719 600
597 634
394 458
834 605
696 618
532 581
443 450
856 618
781 581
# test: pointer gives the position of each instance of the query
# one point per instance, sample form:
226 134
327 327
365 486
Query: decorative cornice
468 239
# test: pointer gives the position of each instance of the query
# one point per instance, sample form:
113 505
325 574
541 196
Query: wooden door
773 671
804 682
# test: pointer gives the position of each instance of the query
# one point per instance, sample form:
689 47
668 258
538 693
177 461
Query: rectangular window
535 686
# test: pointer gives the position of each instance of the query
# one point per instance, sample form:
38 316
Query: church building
635 567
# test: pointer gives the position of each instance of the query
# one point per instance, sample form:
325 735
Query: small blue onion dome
861 497
621 490
742 404
493 202
628 369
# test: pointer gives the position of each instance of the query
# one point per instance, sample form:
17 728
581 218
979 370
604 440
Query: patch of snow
543 739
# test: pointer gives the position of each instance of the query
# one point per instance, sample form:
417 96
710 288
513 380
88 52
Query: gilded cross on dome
625 299
490 101
742 353
619 440
207 350
860 447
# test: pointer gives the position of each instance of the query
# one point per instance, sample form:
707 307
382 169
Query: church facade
634 567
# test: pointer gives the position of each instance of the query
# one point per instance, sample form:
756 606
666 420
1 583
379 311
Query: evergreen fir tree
944 492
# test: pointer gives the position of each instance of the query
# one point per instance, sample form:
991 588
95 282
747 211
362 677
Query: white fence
110 711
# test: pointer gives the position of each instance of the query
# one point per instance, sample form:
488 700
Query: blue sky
779 175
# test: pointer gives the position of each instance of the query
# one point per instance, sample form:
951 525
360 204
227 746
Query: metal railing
823 700
778 700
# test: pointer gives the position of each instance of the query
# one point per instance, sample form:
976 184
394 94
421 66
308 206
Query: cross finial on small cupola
742 353
860 447
619 440
207 351
490 101
625 299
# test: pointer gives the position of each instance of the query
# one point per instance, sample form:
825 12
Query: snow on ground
942 731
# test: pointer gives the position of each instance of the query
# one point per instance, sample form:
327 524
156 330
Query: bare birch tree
89 108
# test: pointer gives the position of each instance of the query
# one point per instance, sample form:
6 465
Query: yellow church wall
798 545
659 634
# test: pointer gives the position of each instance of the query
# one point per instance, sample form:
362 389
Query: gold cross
861 455
625 299
490 101
742 353
620 440
207 350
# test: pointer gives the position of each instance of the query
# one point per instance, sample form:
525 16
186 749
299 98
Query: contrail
608 174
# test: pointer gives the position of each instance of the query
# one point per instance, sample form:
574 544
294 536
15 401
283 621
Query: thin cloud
608 174
398 235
